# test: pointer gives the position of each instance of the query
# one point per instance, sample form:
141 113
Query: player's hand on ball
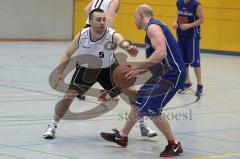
119 76
133 72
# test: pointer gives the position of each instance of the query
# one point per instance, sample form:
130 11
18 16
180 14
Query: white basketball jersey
96 54
102 4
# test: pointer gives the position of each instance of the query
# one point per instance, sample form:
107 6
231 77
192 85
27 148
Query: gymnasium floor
207 128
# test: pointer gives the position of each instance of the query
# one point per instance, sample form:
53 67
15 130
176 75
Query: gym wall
219 31
36 19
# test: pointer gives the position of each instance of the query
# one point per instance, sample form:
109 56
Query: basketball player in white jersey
89 43
111 8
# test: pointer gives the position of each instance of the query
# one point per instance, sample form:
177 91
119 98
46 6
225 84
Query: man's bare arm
71 49
88 8
157 39
124 44
112 10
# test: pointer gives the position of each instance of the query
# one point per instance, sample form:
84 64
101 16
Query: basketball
119 77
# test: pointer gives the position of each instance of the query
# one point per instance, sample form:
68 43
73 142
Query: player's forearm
144 65
176 20
124 44
110 22
87 9
157 56
63 63
71 49
197 22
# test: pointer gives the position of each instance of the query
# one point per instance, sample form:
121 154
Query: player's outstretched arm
124 44
71 49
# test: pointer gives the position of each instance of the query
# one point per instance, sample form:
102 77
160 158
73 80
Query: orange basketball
119 77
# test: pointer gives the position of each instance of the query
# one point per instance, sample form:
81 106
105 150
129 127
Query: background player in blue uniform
187 24
168 75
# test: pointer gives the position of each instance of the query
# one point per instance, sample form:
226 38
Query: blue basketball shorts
157 92
189 47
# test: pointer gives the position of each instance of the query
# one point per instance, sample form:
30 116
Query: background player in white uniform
89 43
111 8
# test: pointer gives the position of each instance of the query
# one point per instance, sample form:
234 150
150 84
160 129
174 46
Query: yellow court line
219 156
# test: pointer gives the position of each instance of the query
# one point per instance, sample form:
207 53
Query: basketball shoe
199 91
146 131
50 132
186 87
115 137
172 150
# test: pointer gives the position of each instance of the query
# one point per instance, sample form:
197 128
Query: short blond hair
145 9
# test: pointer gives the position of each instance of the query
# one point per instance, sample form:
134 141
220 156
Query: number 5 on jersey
101 54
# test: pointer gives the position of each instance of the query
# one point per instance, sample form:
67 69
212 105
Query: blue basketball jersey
174 58
160 88
187 14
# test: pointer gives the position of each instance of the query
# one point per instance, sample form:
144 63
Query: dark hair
95 10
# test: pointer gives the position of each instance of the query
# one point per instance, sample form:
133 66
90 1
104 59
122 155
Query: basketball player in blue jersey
165 63
111 7
187 24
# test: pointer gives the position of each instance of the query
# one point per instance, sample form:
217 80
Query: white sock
122 134
142 123
54 122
